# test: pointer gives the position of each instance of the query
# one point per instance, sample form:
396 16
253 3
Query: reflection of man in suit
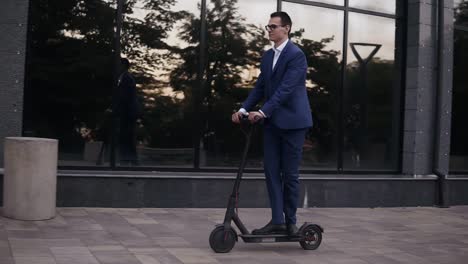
287 117
128 109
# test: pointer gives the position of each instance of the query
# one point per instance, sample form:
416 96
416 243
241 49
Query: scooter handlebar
244 120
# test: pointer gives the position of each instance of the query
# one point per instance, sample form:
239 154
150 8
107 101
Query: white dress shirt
278 51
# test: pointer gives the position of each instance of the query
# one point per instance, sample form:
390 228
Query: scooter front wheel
221 240
312 237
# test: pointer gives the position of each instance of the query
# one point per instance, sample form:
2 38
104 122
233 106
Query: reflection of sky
187 5
256 12
375 30
384 6
318 23
182 5
322 23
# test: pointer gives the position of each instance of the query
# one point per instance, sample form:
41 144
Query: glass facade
183 89
459 140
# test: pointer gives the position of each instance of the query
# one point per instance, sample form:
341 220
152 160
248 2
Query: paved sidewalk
162 236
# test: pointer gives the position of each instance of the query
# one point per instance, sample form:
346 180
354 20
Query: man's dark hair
285 19
125 62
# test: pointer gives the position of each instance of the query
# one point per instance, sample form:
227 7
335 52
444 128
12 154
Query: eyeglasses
272 27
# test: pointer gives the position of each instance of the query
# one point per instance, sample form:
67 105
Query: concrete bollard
30 178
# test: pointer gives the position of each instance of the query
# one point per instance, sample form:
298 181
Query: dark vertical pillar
340 116
444 99
13 34
444 83
198 93
421 88
117 67
399 83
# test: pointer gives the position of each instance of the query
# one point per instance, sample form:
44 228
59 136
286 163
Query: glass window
68 95
161 41
371 95
384 6
459 139
236 41
332 2
323 48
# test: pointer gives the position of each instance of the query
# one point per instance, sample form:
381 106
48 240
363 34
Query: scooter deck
270 238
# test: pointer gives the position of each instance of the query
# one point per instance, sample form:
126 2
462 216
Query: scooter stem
248 137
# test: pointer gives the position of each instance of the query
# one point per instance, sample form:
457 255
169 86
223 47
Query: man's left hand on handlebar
255 116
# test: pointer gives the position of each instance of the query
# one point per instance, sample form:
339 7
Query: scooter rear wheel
313 237
222 241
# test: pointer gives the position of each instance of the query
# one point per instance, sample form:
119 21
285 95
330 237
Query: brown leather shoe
270 229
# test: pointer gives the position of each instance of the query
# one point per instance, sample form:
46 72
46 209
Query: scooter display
224 236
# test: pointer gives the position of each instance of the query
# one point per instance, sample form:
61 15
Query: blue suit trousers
282 157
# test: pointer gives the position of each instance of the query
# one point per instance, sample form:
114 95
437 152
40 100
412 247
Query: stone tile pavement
175 236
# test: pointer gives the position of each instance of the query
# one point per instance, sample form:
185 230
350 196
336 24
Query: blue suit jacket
283 89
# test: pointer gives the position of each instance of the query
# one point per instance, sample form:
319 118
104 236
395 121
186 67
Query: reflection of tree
144 42
69 68
233 46
143 37
459 141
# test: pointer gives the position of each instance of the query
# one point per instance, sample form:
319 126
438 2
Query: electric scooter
224 236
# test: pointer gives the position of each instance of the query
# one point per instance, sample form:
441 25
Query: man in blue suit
287 117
